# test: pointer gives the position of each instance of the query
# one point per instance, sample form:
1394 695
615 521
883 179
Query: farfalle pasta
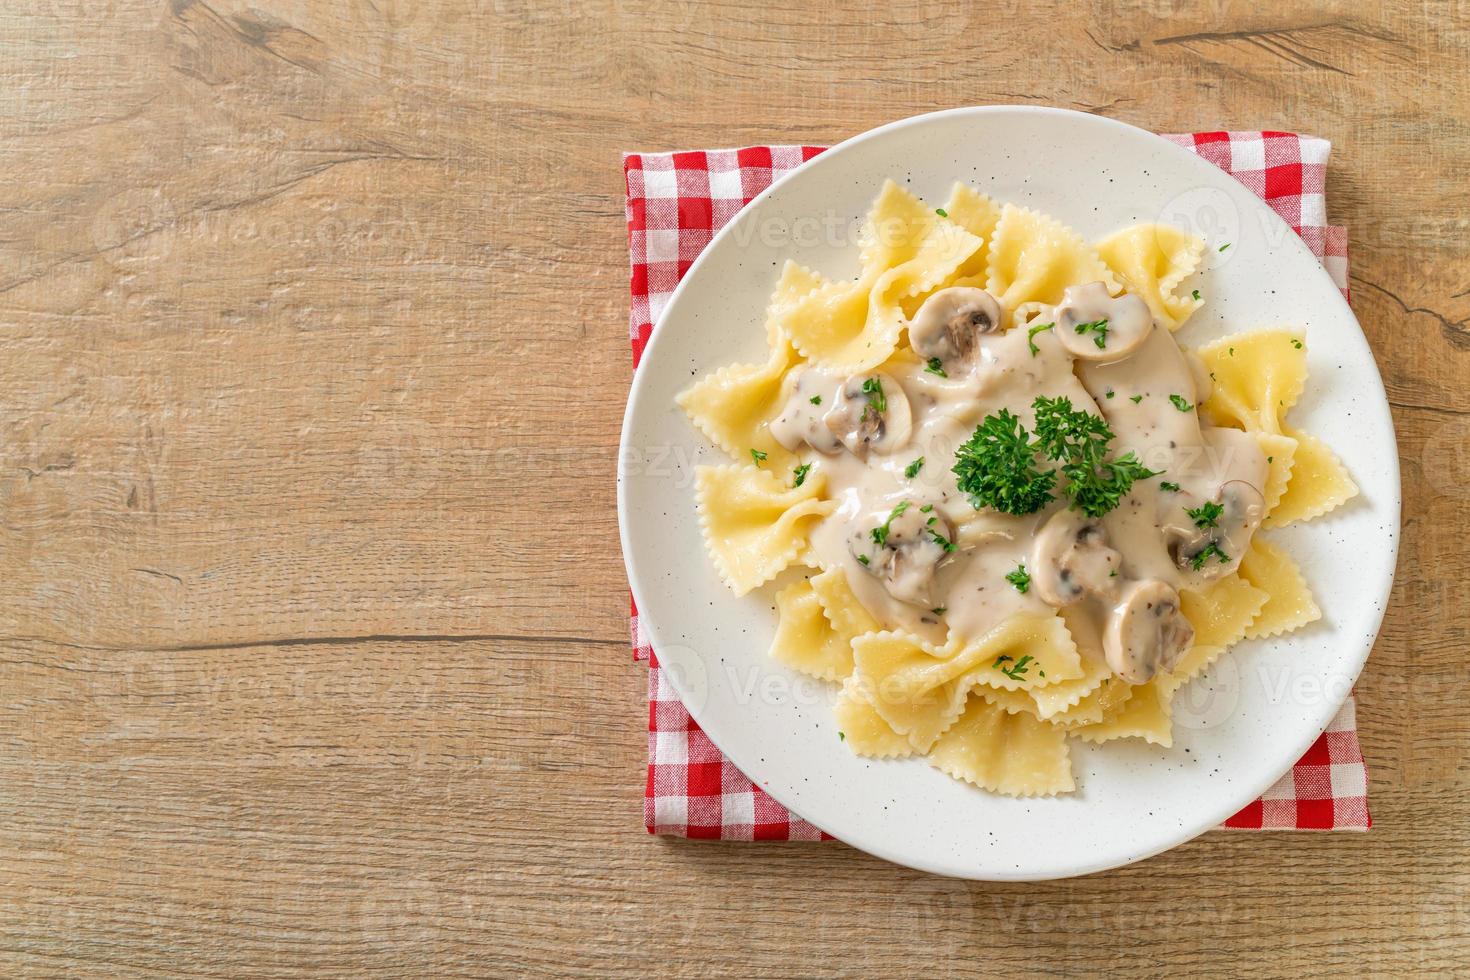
1001 508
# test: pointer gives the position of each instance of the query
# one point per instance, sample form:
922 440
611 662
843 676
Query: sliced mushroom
950 322
872 413
904 549
1094 326
801 419
1071 558
1146 631
1216 549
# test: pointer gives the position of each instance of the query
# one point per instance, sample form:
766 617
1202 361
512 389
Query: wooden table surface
313 648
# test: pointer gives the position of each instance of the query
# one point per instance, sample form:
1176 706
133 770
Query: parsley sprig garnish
997 466
1198 561
1031 337
1079 441
880 533
1099 327
873 388
1020 578
1206 514
1017 670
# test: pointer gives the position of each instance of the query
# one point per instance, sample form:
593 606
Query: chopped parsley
880 533
1171 487
926 508
798 475
1020 578
941 212
939 610
1109 393
912 470
1232 352
935 366
1136 399
1031 337
1195 294
873 388
1178 402
816 399
997 467
1099 327
1017 670
1296 343
842 736
1206 514
1198 561
863 559
1223 247
941 540
758 456
1079 441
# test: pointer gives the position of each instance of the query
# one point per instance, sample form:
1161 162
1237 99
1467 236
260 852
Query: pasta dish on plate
1006 508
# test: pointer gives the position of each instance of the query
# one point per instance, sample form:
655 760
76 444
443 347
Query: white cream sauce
941 567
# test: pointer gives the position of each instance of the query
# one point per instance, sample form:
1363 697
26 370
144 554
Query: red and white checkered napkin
676 202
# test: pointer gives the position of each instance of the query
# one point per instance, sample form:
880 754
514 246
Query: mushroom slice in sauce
1071 558
1094 326
1216 550
801 418
871 413
950 322
913 544
1146 631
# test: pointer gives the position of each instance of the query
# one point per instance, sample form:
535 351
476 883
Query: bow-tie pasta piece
734 405
854 325
1145 715
1289 604
1258 377
863 729
1152 260
1034 258
818 620
1011 754
754 525
1319 483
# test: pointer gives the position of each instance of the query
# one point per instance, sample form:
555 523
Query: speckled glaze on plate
1236 730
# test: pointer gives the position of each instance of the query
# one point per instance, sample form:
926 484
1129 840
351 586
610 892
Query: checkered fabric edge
675 204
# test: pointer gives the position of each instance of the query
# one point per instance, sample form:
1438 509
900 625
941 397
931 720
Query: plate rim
1393 507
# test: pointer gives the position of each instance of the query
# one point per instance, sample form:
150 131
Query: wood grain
313 653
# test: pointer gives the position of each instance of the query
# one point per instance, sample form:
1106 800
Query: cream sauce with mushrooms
940 568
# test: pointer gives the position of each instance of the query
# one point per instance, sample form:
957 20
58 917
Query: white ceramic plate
1236 730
